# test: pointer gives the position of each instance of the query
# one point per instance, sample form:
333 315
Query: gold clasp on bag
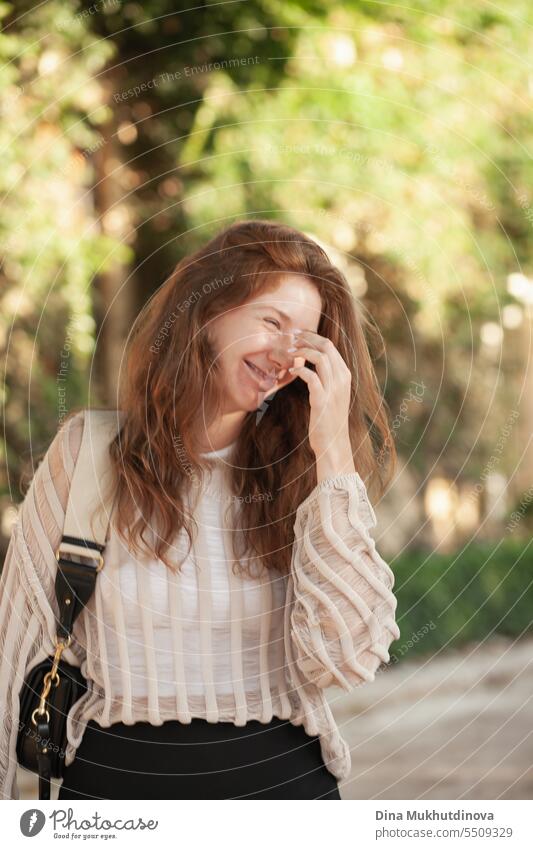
52 676
98 557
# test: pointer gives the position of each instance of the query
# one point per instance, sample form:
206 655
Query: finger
309 337
310 377
320 360
321 343
284 377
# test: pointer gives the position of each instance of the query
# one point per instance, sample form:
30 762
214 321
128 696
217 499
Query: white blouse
195 610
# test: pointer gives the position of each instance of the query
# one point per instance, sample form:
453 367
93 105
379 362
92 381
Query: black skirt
200 760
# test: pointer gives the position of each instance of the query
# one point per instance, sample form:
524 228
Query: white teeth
270 379
258 371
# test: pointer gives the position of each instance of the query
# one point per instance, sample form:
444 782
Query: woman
241 579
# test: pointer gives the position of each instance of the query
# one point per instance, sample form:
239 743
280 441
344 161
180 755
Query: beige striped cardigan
332 627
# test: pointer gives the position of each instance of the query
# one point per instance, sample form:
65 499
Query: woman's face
256 335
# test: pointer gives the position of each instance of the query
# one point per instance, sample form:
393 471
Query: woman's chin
255 399
269 392
250 401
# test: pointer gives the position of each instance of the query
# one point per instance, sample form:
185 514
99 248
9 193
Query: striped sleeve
28 606
342 608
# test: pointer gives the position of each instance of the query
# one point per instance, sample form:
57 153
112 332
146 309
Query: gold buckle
98 556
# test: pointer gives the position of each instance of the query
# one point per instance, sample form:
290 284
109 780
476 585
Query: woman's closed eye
274 321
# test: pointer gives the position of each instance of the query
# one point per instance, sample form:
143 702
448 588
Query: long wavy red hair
172 370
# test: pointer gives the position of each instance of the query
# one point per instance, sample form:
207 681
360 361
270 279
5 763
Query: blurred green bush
445 601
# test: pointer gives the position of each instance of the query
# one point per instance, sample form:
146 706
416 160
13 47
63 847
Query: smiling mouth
260 376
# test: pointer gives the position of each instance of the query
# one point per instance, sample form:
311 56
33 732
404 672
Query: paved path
456 726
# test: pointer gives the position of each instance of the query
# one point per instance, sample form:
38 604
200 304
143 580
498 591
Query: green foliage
399 136
447 601
51 245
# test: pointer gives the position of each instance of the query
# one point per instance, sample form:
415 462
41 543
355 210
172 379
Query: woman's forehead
295 299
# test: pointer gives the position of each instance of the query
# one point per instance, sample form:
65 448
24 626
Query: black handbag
53 686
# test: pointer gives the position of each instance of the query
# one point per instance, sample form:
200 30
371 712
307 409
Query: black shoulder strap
87 517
